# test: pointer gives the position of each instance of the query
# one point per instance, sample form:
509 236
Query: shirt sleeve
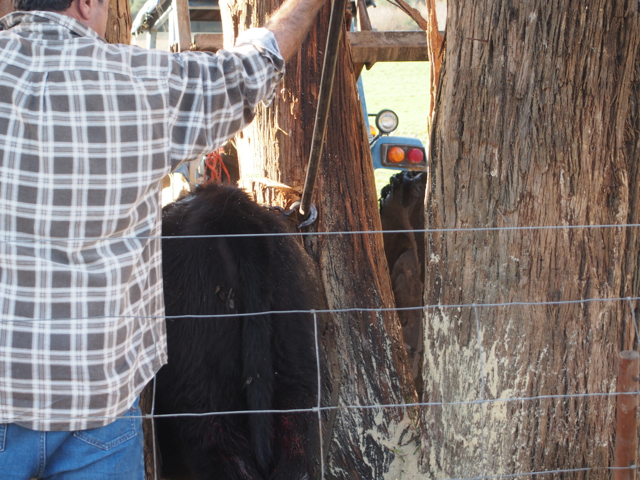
212 97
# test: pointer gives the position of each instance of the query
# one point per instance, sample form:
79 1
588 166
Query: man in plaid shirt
87 131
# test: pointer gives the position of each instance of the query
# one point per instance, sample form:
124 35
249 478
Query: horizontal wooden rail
208 42
373 46
204 14
366 47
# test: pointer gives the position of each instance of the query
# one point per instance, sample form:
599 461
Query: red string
216 166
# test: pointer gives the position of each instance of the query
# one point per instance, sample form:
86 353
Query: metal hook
313 213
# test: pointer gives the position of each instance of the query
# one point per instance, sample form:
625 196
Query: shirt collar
37 19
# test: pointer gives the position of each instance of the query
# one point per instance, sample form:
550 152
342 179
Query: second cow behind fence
236 363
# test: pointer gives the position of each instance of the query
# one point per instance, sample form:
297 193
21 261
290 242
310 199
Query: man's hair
46 5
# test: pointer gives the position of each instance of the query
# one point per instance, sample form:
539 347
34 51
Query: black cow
254 362
402 211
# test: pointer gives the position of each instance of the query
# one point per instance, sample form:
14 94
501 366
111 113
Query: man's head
47 5
93 13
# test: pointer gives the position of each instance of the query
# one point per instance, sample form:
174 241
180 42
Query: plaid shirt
87 131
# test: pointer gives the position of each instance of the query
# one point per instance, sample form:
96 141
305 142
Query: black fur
258 362
402 210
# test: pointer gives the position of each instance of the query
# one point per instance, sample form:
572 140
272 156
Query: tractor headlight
386 121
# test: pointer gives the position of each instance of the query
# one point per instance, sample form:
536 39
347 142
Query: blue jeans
111 452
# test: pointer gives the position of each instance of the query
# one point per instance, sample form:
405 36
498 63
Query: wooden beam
366 47
373 46
364 21
184 25
208 42
204 15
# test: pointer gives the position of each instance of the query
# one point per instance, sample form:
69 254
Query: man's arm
291 22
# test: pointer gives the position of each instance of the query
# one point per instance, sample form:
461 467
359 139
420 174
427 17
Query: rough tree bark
119 22
372 367
536 123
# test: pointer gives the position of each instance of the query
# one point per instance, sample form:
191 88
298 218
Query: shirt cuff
262 38
265 42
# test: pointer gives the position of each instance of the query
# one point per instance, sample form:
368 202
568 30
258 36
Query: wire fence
318 409
337 232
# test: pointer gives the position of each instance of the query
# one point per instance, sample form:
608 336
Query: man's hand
291 23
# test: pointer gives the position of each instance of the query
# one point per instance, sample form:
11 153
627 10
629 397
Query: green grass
404 88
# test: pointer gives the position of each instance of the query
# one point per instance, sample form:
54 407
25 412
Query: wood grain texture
184 24
627 416
119 22
208 42
373 46
536 123
369 365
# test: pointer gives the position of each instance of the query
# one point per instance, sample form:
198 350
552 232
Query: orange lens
395 154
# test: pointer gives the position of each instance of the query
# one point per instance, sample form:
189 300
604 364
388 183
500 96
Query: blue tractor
390 151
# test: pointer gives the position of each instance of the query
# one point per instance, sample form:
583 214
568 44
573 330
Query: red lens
415 155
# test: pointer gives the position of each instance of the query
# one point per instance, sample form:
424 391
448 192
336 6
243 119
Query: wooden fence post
627 428
151 460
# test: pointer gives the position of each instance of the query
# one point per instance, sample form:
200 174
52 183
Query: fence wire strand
315 409
336 310
21 241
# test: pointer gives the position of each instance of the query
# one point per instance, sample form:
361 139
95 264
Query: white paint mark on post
482 404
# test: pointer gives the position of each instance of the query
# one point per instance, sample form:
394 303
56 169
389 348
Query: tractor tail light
395 155
403 155
415 155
